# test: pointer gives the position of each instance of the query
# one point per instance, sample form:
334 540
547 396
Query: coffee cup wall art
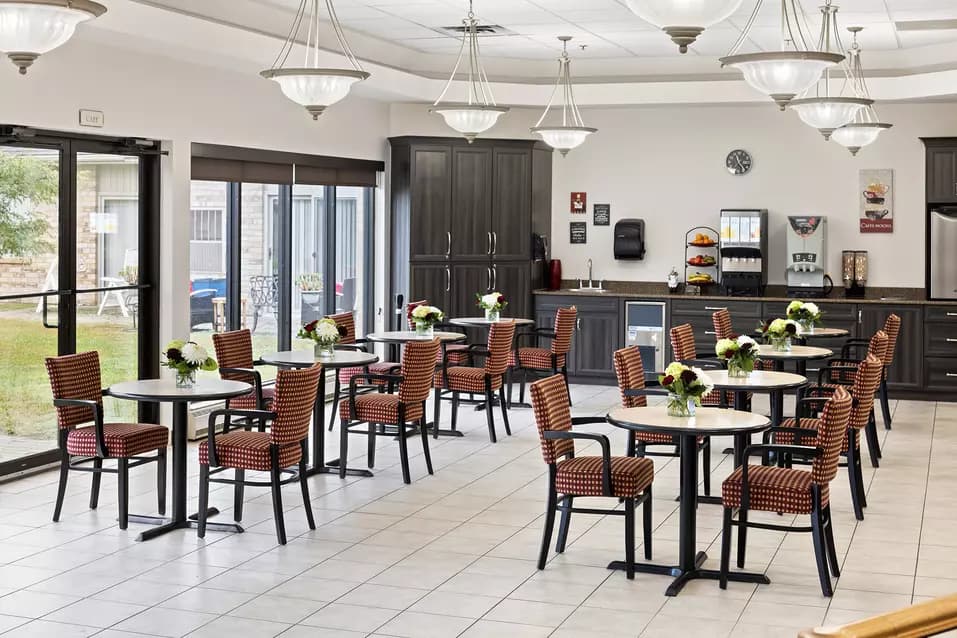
877 200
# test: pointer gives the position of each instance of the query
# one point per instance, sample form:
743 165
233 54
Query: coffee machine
806 256
743 246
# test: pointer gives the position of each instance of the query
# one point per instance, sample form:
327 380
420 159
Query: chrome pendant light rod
478 88
312 37
572 132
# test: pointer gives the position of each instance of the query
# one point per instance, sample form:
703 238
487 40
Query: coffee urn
854 273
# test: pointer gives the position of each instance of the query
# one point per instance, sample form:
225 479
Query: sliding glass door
73 277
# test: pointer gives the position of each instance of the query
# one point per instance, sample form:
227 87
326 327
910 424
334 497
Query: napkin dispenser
630 239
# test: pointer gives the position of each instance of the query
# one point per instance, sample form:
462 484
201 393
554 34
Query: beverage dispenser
807 256
743 247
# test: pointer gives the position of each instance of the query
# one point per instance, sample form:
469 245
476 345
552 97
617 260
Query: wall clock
738 162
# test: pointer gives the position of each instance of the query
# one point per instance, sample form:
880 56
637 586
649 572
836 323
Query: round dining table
337 360
800 355
482 322
166 391
819 333
707 422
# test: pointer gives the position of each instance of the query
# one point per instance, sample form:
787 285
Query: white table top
756 381
766 351
482 321
166 390
406 336
822 332
306 358
706 421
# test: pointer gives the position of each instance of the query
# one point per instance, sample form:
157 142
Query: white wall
162 98
666 164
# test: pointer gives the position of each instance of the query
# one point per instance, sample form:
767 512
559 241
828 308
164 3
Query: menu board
602 214
578 232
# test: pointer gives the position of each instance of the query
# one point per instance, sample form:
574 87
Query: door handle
448 250
494 277
711 332
448 279
578 324
952 314
951 374
951 340
46 324
489 269
494 242
488 246
860 314
714 308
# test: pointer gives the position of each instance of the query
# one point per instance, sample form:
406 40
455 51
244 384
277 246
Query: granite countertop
658 290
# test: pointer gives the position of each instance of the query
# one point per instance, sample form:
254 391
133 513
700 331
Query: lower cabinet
597 334
940 350
907 371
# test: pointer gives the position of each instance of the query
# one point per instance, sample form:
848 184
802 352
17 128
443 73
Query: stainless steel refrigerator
942 251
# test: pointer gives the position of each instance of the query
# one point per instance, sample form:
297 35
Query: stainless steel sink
892 299
587 290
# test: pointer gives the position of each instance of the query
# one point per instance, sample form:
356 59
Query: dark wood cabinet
907 371
515 277
597 336
745 316
431 199
511 215
942 174
431 282
471 221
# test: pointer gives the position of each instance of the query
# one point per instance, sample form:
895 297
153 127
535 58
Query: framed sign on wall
579 202
877 200
602 214
577 232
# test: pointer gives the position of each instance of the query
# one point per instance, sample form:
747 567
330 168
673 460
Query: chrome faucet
591 282
589 273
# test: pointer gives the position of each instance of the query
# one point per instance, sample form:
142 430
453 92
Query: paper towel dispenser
630 239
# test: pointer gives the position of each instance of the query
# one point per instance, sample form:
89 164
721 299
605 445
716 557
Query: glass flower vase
780 344
492 315
807 327
325 350
185 380
680 406
424 329
736 370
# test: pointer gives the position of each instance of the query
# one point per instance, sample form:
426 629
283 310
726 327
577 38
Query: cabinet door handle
715 308
860 314
494 277
489 279
448 250
952 374
448 279
952 314
578 324
949 340
494 242
711 332
488 245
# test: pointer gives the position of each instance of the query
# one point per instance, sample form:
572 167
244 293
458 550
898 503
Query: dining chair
789 491
802 430
78 397
892 327
281 450
723 330
685 351
619 477
398 409
458 353
634 391
539 361
234 353
452 380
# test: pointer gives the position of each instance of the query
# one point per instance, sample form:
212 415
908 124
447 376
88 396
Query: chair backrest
345 321
295 399
564 329
866 380
833 429
892 326
500 337
550 403
409 307
264 290
722 324
75 376
418 370
682 342
878 345
234 349
631 375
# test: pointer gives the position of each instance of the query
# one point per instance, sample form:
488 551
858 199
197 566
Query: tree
26 184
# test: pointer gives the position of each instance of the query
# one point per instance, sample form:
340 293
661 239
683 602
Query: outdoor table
166 391
339 359
707 422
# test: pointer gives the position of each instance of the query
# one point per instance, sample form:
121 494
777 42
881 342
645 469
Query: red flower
668 380
342 331
501 299
687 376
311 326
733 336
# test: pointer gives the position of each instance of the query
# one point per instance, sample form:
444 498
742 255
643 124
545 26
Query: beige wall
666 165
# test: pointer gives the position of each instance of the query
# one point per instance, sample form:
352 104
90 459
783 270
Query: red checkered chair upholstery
234 353
790 491
634 394
620 477
539 361
280 451
684 350
458 353
78 397
398 409
723 330
452 380
803 430
892 327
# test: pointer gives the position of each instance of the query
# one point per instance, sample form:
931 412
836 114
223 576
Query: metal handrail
924 619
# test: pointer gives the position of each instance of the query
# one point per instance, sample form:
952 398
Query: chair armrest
759 449
257 382
651 379
830 369
350 346
704 364
211 429
97 409
853 344
534 335
601 439
392 379
797 432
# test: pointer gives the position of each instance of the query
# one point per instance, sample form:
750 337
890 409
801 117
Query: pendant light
479 112
310 85
782 75
684 20
821 110
866 126
572 132
30 28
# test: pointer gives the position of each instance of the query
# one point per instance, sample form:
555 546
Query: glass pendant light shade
313 87
782 75
855 136
470 120
828 113
866 126
572 131
30 29
684 20
564 138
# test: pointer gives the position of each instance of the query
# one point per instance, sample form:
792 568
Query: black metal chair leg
304 484
829 542
504 405
820 555
61 487
404 455
123 479
274 478
337 388
873 442
567 388
161 481
490 416
370 446
436 412
725 547
455 410
564 524
706 465
630 444
344 446
521 386
646 519
630 538
742 536
95 488
885 404
854 475
425 445
549 525
239 494
203 501
508 382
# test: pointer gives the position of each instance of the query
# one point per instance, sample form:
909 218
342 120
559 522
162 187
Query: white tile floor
454 554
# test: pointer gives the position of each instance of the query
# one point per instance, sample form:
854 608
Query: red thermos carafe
555 274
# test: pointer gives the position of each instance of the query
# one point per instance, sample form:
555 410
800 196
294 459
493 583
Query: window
207 250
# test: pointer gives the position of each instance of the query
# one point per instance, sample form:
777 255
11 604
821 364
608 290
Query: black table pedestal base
166 525
332 467
684 576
